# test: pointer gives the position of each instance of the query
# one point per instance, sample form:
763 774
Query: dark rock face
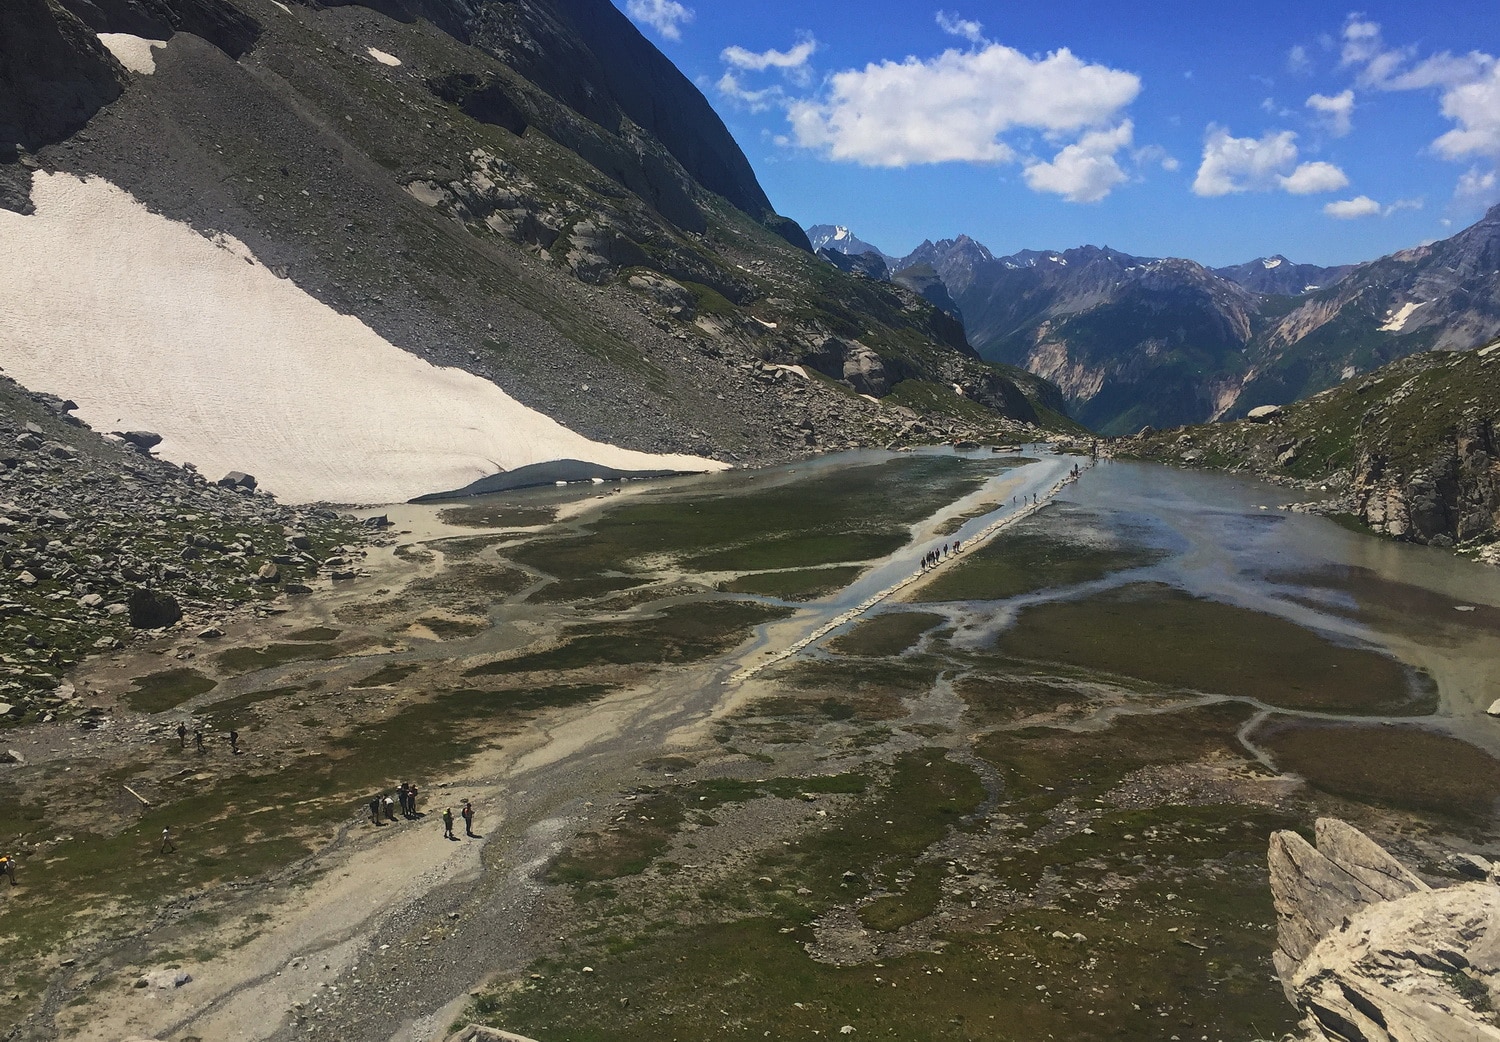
54 75
1277 276
481 97
923 280
152 609
217 21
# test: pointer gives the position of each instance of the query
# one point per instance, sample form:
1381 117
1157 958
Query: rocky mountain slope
100 541
527 192
1137 341
1410 449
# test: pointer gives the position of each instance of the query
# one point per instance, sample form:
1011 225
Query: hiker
390 807
167 846
375 810
955 546
448 823
411 800
198 740
181 735
8 866
234 742
468 813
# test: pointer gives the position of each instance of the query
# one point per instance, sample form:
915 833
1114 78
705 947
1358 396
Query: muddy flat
742 764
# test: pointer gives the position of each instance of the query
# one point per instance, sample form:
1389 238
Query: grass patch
1044 765
627 848
679 633
567 590
315 634
168 689
887 634
497 515
233 712
451 629
1404 767
1167 637
797 584
1026 559
391 674
249 660
824 517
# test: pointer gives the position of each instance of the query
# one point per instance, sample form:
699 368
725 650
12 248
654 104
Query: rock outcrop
1370 953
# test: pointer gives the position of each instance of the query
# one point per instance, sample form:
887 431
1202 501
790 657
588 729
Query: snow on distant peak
1397 321
1271 262
149 325
840 233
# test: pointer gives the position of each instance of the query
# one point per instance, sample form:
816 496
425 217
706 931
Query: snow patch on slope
133 52
383 58
149 325
1397 322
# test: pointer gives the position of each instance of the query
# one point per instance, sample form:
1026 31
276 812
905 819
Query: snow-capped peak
1270 262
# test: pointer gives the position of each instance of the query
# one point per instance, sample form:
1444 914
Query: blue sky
1325 132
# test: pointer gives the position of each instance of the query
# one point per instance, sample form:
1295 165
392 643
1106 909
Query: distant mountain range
1136 341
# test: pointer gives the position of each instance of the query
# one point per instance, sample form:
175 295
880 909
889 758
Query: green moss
889 633
1166 637
249 660
1431 774
158 692
797 584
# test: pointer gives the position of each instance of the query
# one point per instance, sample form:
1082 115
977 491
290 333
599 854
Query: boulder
144 440
1370 953
865 372
1263 413
152 609
237 479
479 1033
1494 709
268 573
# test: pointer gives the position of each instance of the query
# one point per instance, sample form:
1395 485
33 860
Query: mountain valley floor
1028 793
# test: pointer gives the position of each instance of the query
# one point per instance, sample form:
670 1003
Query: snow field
149 325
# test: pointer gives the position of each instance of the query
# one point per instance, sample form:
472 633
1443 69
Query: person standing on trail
198 740
8 866
234 742
181 735
468 813
375 810
167 846
411 800
448 823
390 807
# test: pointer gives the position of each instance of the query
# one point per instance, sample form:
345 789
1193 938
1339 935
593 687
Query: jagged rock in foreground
477 1033
1370 953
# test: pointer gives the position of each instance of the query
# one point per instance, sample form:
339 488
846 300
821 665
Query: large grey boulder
1370 953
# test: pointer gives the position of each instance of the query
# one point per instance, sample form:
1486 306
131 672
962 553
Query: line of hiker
933 557
233 738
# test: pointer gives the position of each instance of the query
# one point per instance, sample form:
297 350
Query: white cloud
794 58
1310 178
1337 111
1475 107
755 100
970 30
957 106
1349 209
667 17
1243 164
1476 185
1084 172
1297 60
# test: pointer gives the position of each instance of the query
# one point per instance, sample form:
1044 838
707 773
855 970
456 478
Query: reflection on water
1234 546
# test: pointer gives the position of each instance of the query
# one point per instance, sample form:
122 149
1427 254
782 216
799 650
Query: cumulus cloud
1349 209
957 106
1475 107
1337 111
1297 60
755 100
667 17
955 26
1083 172
1311 178
1243 164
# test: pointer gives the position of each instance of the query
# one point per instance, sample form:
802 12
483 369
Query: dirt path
383 935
